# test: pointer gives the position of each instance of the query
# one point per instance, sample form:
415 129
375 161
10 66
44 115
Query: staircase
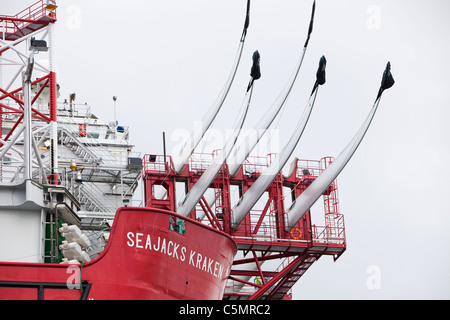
73 143
222 198
289 272
89 203
38 15
281 289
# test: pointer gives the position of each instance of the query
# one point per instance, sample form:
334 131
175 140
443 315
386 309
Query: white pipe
27 116
9 144
253 194
197 191
242 150
196 136
304 202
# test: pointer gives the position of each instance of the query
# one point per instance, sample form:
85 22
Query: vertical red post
276 194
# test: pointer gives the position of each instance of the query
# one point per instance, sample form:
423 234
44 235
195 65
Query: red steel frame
262 236
16 28
36 16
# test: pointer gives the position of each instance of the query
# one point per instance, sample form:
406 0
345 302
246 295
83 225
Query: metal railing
12 24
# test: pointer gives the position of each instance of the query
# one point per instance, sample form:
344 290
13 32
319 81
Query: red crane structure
20 37
271 258
249 198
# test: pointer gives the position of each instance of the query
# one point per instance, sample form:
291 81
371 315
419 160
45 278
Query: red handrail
38 10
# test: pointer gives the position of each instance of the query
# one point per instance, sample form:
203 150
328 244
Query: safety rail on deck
157 163
42 8
255 165
199 162
307 169
267 228
67 109
266 231
331 235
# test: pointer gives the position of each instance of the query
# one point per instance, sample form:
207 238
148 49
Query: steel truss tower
26 50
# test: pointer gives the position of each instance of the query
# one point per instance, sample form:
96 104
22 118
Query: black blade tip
387 81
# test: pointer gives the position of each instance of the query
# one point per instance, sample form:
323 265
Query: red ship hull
148 256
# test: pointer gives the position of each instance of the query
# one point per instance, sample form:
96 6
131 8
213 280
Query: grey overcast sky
167 61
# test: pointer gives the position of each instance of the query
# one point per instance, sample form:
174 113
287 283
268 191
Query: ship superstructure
80 169
225 225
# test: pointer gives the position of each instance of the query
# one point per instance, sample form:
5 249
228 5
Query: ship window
94 135
59 197
177 224
6 161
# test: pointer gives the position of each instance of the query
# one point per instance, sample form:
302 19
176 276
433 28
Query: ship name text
176 251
